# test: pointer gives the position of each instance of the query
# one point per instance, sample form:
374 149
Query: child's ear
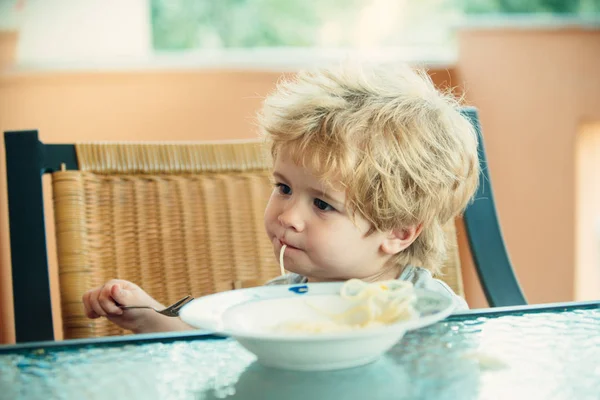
399 239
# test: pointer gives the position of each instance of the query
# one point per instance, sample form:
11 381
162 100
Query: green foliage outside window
215 24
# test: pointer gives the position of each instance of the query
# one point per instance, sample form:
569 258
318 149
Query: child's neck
384 275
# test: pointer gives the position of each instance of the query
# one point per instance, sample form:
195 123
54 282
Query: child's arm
103 301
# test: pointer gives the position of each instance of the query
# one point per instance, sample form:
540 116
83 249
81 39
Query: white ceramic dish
249 315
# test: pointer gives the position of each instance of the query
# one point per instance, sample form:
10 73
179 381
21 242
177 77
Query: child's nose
291 217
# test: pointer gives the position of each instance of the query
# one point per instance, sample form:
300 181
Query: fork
171 311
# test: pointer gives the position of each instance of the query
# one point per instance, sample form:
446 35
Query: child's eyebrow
277 175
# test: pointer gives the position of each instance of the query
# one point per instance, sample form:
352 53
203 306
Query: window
360 24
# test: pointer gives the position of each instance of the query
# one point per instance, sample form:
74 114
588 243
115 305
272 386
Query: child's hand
104 301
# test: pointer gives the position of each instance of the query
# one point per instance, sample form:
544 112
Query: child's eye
323 206
283 188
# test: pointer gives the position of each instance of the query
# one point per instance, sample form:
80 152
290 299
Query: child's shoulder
422 278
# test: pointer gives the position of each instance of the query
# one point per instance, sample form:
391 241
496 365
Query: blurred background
198 70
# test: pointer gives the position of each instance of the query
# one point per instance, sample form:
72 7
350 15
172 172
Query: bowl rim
397 328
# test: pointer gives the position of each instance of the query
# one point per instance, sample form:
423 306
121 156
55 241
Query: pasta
281 259
372 304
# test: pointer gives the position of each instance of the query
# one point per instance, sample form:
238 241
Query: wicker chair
174 218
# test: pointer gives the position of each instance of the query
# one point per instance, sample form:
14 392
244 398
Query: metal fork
171 311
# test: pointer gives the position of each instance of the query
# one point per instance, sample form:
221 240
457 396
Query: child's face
323 242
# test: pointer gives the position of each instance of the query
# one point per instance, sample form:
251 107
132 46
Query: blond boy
369 164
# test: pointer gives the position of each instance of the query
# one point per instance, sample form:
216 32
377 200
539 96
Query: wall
8 48
587 222
535 88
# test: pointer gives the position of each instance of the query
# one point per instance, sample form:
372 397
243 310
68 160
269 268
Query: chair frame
28 159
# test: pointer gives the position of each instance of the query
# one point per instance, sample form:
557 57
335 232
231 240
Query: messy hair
401 149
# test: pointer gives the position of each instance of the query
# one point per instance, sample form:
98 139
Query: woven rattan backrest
175 219
451 271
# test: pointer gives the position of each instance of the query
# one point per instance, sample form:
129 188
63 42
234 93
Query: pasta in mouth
281 259
371 305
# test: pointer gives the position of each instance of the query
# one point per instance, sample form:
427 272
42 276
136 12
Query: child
369 163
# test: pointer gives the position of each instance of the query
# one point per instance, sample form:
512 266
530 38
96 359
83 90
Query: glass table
530 352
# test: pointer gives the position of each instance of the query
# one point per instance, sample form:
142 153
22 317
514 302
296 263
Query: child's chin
313 276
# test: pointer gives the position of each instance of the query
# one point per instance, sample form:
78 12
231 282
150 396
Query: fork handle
132 307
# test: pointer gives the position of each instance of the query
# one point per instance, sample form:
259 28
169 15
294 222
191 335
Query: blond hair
400 148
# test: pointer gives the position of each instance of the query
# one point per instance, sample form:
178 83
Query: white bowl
249 316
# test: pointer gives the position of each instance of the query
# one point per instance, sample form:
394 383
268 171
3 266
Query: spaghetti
281 259
371 305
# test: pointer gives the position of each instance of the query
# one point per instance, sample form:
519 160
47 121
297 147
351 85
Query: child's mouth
289 247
